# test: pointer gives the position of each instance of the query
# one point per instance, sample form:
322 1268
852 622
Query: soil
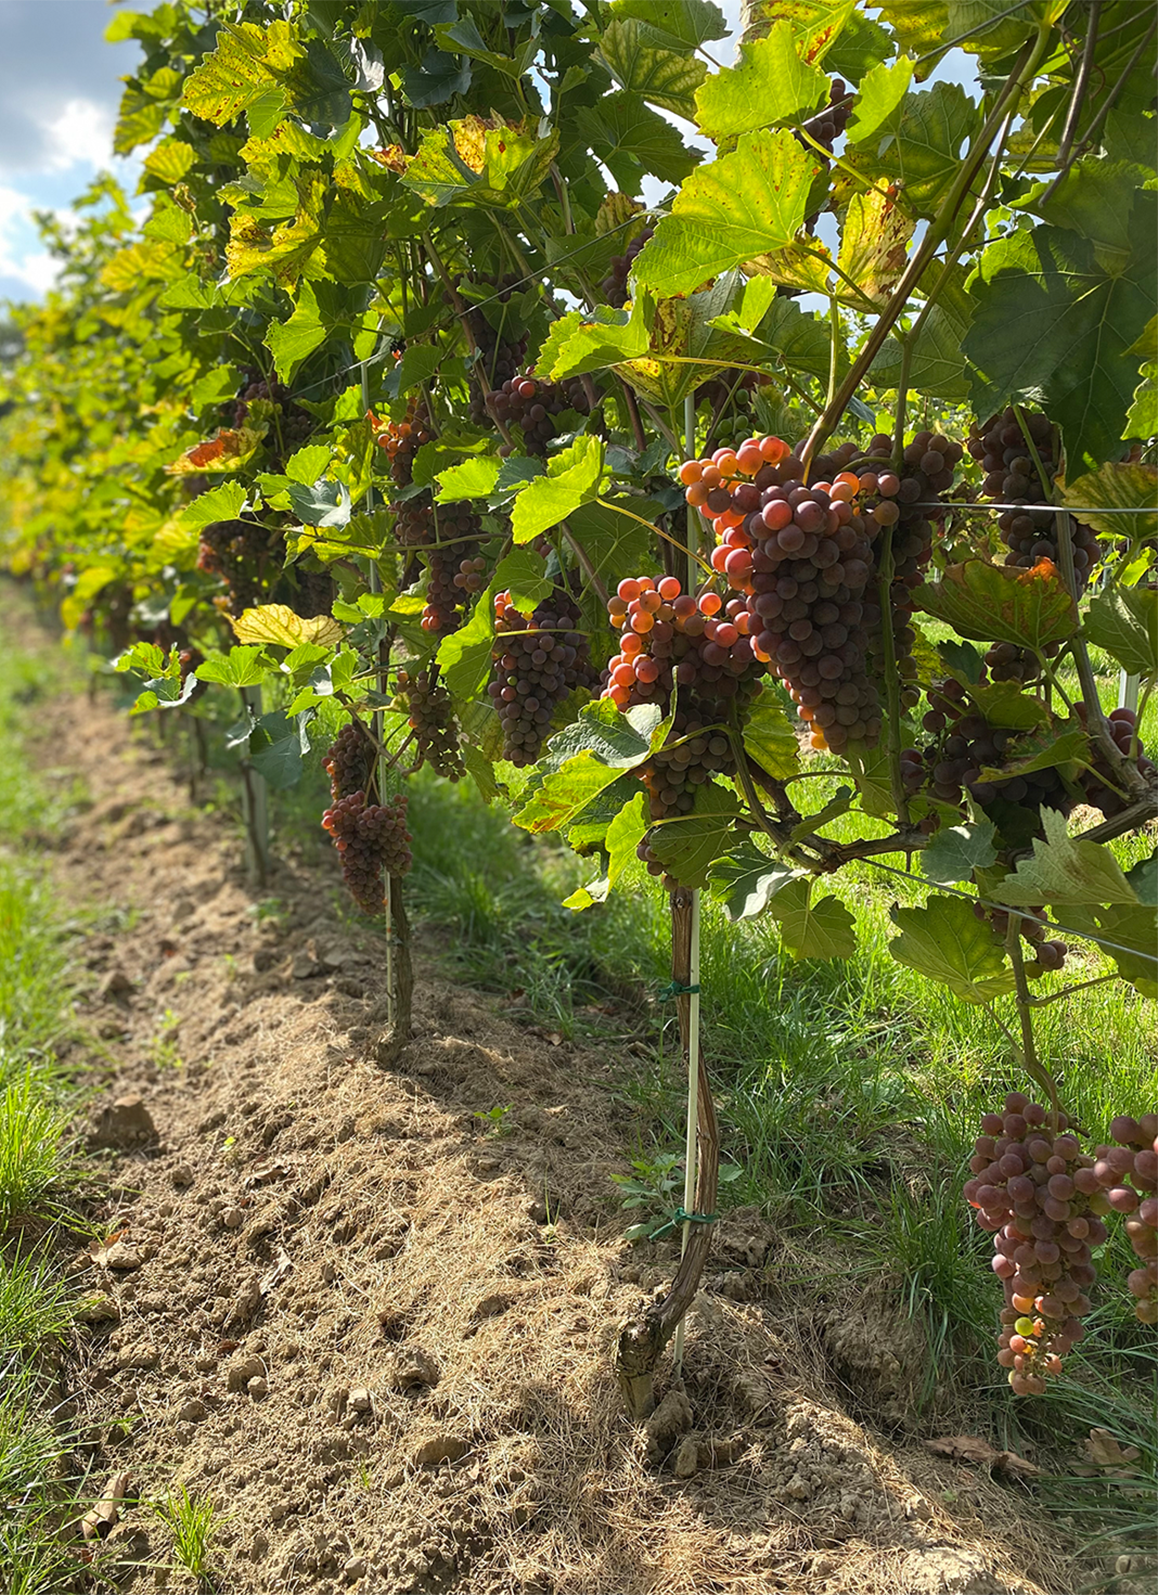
378 1335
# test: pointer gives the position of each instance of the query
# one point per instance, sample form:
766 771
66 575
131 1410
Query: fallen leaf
273 1277
1107 1452
99 1521
972 1449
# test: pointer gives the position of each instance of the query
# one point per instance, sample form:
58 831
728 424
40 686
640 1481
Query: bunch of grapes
672 639
1048 955
501 349
453 570
530 403
1012 477
246 555
373 841
614 285
293 425
1041 1198
350 761
800 559
832 119
403 439
537 661
1098 786
430 709
1128 1173
315 593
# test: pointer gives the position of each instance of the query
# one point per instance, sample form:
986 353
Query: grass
37 1160
192 1522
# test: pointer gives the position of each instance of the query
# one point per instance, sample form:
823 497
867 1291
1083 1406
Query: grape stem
580 553
658 531
1029 1059
1068 991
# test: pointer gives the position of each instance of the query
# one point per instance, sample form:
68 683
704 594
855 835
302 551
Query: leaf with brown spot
1106 1451
1002 603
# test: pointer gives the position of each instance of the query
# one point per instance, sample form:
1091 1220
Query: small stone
181 1177
258 1388
412 1371
687 1459
305 966
359 1400
193 1410
121 1256
205 1363
239 1373
124 1122
442 1448
355 1568
539 1213
233 1218
98 1310
138 1356
917 1507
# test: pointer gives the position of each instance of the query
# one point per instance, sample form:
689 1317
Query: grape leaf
522 573
563 795
277 624
770 738
240 667
638 59
861 45
579 342
880 92
438 78
769 84
1124 621
1076 316
742 205
605 732
250 64
223 503
992 26
812 930
688 847
746 881
612 537
1047 749
1002 603
635 142
685 22
1129 485
1143 878
1135 930
874 240
946 941
1004 704
955 851
472 479
918 145
573 478
624 835
464 657
1094 198
1065 870
921 28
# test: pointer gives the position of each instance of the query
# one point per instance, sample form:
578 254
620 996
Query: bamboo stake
383 681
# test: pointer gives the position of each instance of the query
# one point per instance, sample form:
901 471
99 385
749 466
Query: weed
494 1120
192 1521
34 1303
165 1051
34 1154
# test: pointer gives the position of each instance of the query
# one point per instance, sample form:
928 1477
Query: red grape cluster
501 347
246 556
293 425
670 639
428 704
537 661
614 285
315 592
1128 1173
373 841
531 404
830 122
1098 785
801 558
350 761
451 570
1012 477
1040 1197
403 439
1048 955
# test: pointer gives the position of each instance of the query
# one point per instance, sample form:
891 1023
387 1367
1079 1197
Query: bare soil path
380 1338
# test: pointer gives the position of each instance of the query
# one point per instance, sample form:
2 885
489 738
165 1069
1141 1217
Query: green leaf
860 45
617 740
1006 705
579 342
464 657
240 667
685 22
688 847
463 38
770 84
1143 879
992 25
743 205
880 93
955 851
638 59
770 738
1094 198
746 881
223 503
278 759
170 160
472 479
1064 870
946 941
522 573
1002 603
612 540
1075 320
1124 621
573 478
634 142
937 366
438 79
1130 485
307 464
1135 931
624 835
417 365
920 27
1047 749
565 793
812 930
293 341
918 145
468 163
874 242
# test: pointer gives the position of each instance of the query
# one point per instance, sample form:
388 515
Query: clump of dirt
379 1336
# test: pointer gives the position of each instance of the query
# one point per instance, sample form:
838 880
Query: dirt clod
441 1448
123 1122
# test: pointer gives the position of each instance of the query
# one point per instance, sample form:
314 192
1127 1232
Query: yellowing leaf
277 623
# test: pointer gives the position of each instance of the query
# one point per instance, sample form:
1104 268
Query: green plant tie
681 1216
676 988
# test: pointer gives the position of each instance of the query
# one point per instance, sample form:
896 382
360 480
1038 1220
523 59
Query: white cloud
80 133
22 261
